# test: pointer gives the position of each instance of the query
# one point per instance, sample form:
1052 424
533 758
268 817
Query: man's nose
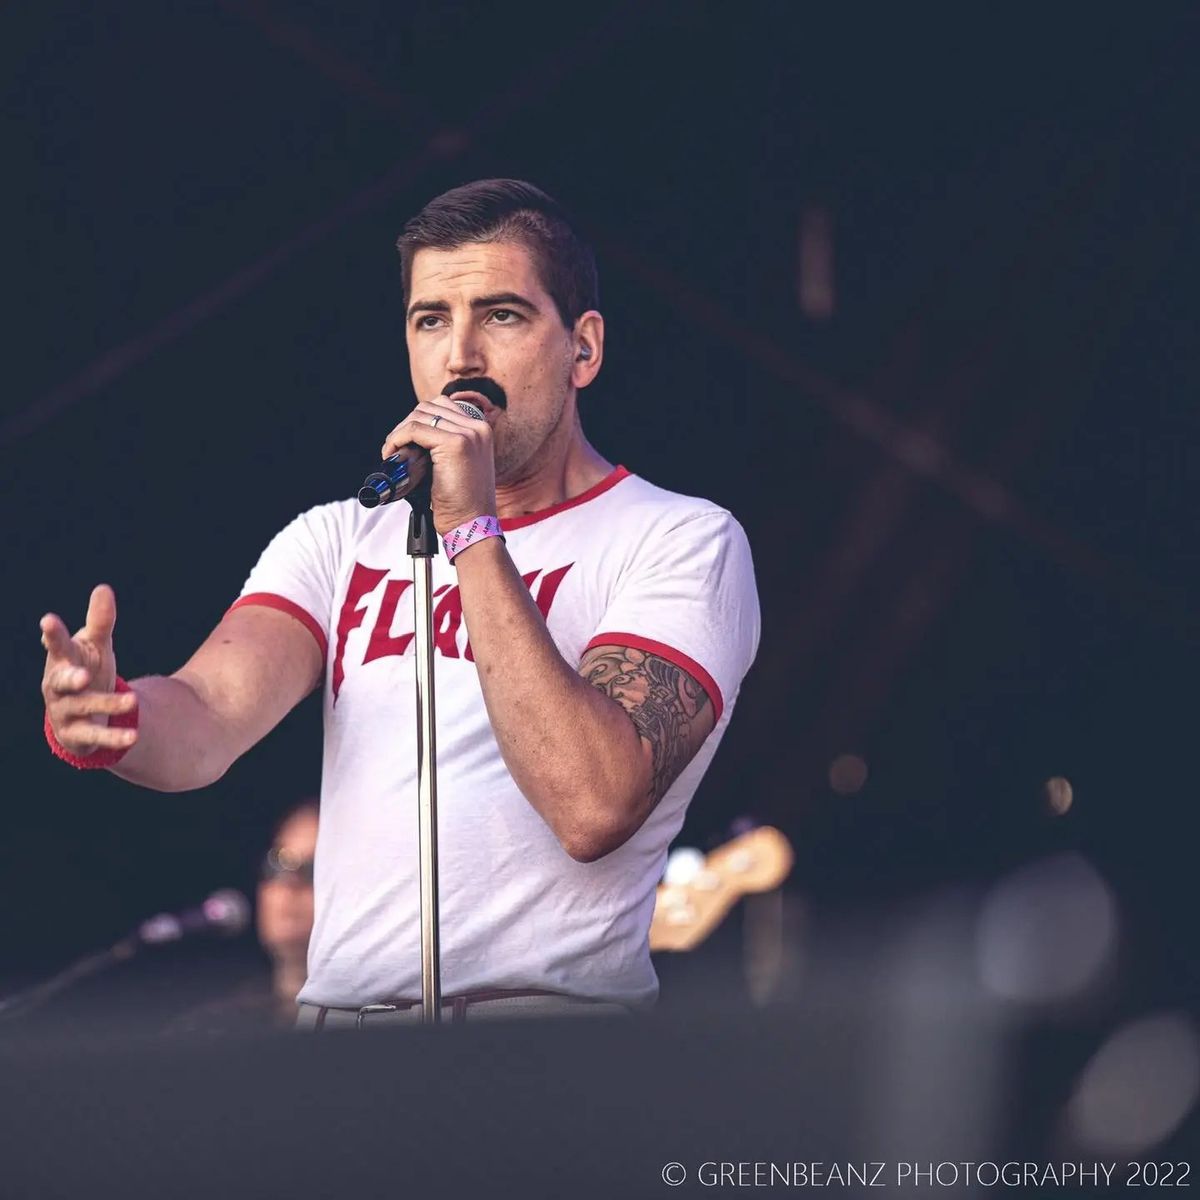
466 352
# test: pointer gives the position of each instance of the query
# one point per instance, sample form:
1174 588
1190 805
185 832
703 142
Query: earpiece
584 352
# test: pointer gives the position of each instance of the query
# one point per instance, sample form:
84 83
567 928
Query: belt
458 1005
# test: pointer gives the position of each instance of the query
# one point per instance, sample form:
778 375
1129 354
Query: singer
592 631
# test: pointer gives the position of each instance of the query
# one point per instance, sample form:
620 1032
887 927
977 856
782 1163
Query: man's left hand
464 476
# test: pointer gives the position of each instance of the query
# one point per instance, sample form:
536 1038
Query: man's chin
510 475
507 466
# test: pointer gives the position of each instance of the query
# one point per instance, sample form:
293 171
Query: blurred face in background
285 893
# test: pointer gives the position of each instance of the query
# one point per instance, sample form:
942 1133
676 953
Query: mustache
488 388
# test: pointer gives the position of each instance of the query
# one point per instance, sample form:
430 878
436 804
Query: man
283 921
610 625
284 913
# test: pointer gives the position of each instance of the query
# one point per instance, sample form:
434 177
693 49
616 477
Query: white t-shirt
624 563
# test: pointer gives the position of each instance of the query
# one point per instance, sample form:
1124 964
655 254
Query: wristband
104 757
468 533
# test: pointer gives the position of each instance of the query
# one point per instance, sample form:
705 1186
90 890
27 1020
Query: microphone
404 470
226 912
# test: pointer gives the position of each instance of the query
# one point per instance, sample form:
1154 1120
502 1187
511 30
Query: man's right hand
80 676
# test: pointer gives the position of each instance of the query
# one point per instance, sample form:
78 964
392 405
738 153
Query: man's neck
287 978
563 473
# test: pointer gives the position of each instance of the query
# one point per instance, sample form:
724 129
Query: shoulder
339 521
644 502
344 513
652 516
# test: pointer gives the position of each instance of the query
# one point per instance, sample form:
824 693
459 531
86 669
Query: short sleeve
690 597
296 572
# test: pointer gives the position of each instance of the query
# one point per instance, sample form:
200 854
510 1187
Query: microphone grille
227 911
469 410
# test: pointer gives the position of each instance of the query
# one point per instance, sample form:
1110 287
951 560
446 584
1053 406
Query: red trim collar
611 479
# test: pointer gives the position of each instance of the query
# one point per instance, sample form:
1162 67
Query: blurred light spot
918 451
847 774
1047 932
1059 795
684 864
449 143
988 497
1139 1087
814 266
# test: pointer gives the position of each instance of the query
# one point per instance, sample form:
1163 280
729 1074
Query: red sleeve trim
690 665
282 604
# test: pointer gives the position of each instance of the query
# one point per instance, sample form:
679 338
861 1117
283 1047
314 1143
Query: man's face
480 312
285 899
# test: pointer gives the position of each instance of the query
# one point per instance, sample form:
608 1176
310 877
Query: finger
86 736
440 412
448 413
416 430
446 416
448 404
56 639
67 680
101 613
91 704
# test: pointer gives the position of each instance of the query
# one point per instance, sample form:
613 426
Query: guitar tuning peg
684 863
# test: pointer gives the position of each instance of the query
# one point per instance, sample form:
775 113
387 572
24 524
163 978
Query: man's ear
589 348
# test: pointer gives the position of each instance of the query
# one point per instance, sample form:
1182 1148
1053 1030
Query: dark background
205 336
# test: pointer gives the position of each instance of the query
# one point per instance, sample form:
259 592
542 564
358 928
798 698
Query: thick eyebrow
509 298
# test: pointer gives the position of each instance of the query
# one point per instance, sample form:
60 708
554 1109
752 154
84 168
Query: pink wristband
98 758
468 533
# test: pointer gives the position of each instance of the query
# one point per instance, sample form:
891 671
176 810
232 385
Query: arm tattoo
669 709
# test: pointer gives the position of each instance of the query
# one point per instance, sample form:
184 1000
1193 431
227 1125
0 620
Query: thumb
101 614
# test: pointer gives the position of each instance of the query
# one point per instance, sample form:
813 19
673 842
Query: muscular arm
593 749
254 668
669 709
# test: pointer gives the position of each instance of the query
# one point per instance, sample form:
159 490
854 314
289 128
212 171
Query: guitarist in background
593 631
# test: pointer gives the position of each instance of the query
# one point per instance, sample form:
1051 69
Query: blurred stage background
913 297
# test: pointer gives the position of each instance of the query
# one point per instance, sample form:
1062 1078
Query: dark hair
497 210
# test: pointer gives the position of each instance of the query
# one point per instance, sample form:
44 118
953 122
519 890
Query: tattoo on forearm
666 705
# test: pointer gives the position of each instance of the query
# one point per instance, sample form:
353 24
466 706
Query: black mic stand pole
20 1003
423 546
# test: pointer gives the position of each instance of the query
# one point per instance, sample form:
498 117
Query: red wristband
98 758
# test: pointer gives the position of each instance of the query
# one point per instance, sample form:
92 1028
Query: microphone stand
423 546
20 1003
225 911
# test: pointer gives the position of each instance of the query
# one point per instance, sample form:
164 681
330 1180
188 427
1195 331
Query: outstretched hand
80 675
